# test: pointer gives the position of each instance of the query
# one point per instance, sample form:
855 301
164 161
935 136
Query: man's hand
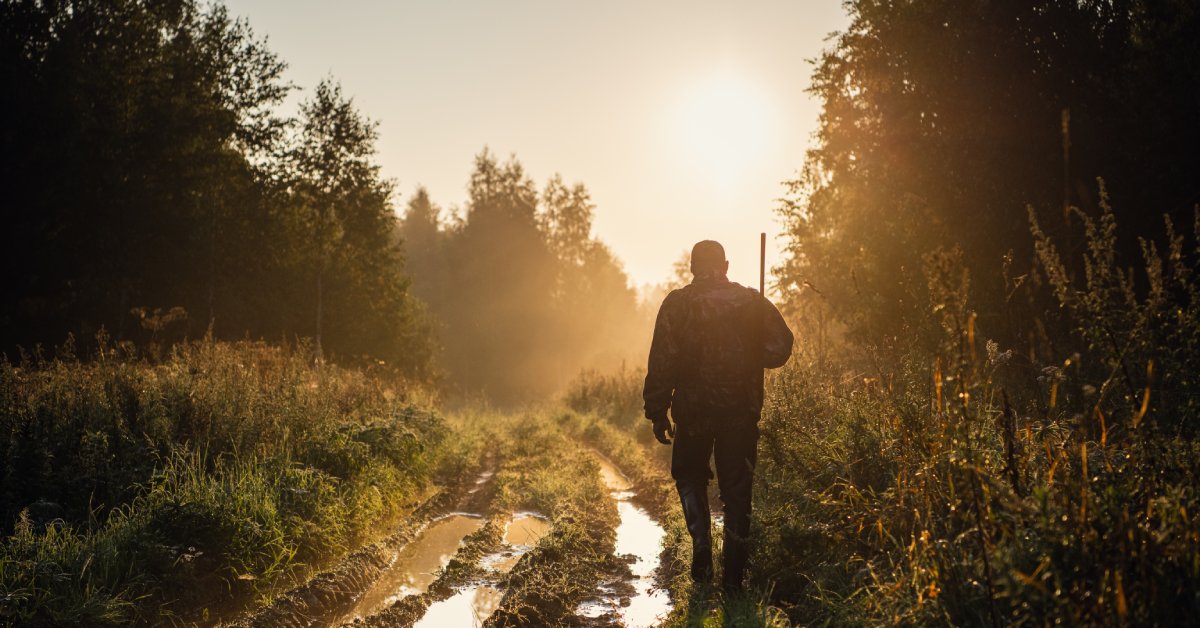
663 430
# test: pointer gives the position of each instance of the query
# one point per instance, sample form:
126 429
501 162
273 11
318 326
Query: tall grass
143 490
963 482
979 485
616 396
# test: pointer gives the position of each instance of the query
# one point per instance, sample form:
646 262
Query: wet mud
416 565
332 593
637 601
471 605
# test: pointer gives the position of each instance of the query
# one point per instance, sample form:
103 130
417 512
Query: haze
681 118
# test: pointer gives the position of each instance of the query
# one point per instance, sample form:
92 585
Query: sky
681 118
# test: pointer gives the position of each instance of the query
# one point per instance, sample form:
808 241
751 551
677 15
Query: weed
144 490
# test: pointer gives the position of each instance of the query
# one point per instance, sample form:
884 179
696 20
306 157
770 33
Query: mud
417 564
468 608
639 542
334 592
474 603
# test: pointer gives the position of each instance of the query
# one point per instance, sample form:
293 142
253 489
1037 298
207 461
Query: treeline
154 190
146 165
992 417
943 122
523 294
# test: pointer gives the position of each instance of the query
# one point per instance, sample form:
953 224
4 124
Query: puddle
521 535
502 562
480 481
526 529
594 610
417 563
469 607
472 606
612 477
639 535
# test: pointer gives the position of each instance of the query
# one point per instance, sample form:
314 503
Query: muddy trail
462 559
636 600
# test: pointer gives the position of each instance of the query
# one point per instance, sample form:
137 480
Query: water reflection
469 607
472 605
417 563
526 529
640 536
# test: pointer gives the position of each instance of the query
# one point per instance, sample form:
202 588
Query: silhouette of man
712 340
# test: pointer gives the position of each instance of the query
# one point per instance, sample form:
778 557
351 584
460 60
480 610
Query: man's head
708 258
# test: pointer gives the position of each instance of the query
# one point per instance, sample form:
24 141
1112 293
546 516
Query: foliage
976 485
942 120
342 226
919 472
519 280
141 491
615 396
148 168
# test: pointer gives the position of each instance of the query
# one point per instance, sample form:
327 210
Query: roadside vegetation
962 482
138 490
976 484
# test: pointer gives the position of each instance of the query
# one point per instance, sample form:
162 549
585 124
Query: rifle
762 264
762 293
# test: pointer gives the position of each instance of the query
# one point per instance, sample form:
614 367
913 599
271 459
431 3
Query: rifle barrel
762 264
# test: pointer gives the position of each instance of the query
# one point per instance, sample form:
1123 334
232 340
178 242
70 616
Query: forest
245 378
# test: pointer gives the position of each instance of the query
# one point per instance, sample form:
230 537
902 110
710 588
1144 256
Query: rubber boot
737 552
694 499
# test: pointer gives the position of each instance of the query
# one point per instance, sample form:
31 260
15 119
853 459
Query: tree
503 278
421 236
128 162
595 305
943 120
524 295
344 234
566 218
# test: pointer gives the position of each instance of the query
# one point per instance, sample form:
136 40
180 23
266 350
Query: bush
614 396
978 485
142 490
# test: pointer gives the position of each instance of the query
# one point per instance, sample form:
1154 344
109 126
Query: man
712 340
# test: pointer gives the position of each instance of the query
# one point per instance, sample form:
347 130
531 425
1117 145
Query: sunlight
724 125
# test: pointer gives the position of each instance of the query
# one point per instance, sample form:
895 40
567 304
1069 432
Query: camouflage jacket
712 340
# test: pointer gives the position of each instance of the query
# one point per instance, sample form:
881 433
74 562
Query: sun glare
724 126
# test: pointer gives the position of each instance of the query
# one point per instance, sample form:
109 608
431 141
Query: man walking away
712 340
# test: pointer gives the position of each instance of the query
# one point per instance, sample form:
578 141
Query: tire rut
333 593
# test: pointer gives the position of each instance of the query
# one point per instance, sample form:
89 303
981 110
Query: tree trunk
320 302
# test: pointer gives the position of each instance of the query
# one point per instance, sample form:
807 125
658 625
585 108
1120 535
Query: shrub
978 485
146 489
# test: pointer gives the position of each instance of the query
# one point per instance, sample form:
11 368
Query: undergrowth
967 483
148 491
989 485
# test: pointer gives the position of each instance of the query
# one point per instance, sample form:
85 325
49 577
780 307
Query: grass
960 482
954 481
179 489
543 469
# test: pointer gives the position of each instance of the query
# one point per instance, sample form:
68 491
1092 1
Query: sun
724 127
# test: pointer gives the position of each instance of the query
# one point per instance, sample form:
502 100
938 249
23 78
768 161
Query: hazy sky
681 118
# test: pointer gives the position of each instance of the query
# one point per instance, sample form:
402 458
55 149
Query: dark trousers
734 444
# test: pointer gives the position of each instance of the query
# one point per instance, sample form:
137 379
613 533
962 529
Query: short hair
707 255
